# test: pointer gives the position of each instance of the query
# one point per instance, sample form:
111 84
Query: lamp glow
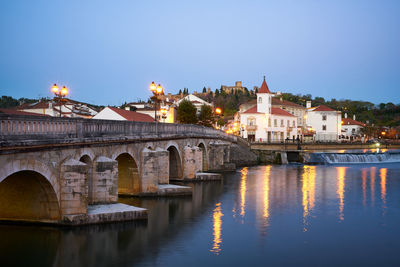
54 88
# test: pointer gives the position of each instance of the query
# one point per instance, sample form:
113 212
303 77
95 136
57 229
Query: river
294 215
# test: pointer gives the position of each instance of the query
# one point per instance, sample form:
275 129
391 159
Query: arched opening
175 165
88 161
128 176
28 195
205 158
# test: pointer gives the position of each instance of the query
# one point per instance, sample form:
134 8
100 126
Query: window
282 123
294 123
251 122
259 100
288 123
269 122
324 117
323 127
275 123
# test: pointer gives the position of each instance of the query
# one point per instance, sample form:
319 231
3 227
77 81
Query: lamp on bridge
59 95
218 111
157 90
164 113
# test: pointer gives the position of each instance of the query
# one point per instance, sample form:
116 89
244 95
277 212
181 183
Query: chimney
354 117
308 104
345 115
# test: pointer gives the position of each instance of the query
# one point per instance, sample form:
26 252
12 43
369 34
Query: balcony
251 127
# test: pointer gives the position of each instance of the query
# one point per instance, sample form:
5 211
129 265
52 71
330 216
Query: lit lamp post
218 111
156 90
59 94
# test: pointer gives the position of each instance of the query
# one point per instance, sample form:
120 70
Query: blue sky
108 52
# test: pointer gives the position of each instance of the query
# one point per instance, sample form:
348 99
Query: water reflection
217 227
243 191
383 173
341 172
308 191
364 185
280 199
372 185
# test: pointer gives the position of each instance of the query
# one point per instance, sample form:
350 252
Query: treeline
383 114
9 102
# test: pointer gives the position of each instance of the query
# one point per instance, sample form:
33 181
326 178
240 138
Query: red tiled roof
278 101
264 87
252 110
323 108
18 112
347 121
280 112
132 115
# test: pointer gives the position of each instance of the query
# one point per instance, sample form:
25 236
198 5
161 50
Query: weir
352 158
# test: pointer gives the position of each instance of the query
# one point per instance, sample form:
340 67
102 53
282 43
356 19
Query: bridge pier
74 189
192 161
104 181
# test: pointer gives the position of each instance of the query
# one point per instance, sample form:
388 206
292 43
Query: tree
204 90
180 91
186 112
206 116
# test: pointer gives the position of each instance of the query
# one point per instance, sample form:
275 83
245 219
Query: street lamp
156 90
59 95
218 111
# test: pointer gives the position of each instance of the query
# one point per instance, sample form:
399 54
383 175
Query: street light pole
156 90
59 94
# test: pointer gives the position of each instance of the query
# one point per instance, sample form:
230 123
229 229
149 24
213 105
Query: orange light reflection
364 186
217 227
308 191
243 191
383 173
341 189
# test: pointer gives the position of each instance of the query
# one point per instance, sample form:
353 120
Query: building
111 113
196 101
259 121
324 123
351 129
231 89
69 108
297 110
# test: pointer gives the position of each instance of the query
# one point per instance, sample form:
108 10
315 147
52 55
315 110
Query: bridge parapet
17 130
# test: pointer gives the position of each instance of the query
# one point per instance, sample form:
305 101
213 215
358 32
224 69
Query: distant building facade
259 121
231 89
351 129
68 108
111 113
324 123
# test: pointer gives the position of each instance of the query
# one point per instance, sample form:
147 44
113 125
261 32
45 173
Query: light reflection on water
264 215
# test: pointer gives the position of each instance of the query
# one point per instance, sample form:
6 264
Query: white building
262 122
196 101
324 122
351 129
111 113
69 108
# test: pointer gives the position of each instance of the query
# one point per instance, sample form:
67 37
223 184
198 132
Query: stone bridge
57 170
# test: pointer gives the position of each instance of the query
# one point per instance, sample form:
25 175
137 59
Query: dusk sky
108 52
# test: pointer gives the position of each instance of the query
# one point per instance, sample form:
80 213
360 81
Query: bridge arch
31 165
175 163
89 176
28 195
128 174
204 151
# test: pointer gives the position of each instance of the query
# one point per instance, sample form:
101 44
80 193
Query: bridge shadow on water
121 244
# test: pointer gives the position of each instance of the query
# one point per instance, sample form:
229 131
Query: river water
294 215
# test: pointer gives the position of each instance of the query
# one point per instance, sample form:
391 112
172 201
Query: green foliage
8 102
186 112
206 116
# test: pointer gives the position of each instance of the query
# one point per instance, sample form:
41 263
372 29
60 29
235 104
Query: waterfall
352 158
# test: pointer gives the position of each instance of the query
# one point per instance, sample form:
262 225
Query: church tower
264 99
